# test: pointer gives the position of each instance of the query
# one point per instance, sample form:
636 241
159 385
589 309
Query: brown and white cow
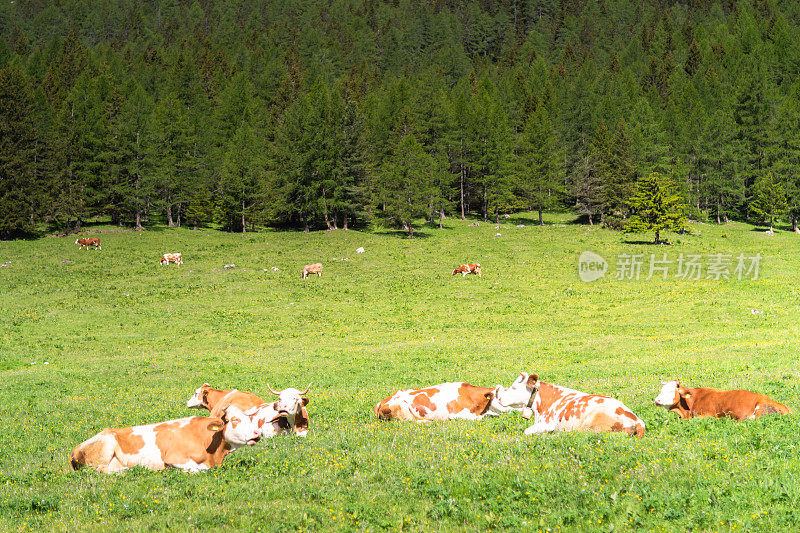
192 444
445 401
702 401
272 418
471 268
87 242
557 408
171 258
286 415
314 268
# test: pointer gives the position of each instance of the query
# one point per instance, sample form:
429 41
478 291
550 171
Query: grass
127 341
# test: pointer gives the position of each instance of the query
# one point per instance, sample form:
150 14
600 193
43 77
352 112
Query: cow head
199 400
671 393
240 429
290 401
519 395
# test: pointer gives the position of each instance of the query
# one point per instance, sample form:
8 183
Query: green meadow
93 339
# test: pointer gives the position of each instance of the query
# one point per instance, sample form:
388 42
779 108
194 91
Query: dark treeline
339 113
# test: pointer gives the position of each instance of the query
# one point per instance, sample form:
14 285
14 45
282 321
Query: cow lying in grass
287 415
192 444
557 408
445 401
470 268
702 401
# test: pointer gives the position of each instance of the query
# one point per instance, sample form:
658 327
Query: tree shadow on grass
763 228
662 243
403 234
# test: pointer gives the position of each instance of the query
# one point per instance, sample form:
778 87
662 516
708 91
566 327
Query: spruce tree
18 186
539 162
656 207
769 198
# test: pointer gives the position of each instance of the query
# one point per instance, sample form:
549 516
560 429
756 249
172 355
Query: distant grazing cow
87 242
192 444
701 401
445 401
315 268
269 417
468 269
171 258
556 408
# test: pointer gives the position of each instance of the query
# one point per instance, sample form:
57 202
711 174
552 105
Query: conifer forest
321 114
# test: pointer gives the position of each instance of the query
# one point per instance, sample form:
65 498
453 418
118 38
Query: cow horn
305 391
273 391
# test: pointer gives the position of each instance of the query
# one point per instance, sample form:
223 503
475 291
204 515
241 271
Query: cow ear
216 425
305 401
275 405
532 379
489 395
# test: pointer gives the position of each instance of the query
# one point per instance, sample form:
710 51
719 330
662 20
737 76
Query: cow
193 444
272 418
445 401
314 268
702 401
171 258
216 400
470 268
557 408
87 242
286 415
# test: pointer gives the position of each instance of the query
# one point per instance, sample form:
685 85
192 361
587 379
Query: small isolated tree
769 198
657 207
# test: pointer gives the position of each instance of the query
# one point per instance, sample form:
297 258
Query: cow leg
114 466
191 467
540 427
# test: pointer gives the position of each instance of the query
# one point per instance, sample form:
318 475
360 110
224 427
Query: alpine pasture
109 338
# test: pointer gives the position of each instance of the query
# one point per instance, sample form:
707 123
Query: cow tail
639 430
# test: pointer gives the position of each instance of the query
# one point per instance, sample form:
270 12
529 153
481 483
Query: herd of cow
238 419
313 268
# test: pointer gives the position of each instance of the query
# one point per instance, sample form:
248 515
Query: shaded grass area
127 341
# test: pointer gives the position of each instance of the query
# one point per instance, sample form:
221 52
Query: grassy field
92 339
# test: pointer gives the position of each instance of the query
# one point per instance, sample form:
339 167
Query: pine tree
18 185
539 162
82 134
133 163
173 150
407 179
237 194
656 207
769 198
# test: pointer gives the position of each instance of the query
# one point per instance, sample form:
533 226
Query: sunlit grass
126 341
